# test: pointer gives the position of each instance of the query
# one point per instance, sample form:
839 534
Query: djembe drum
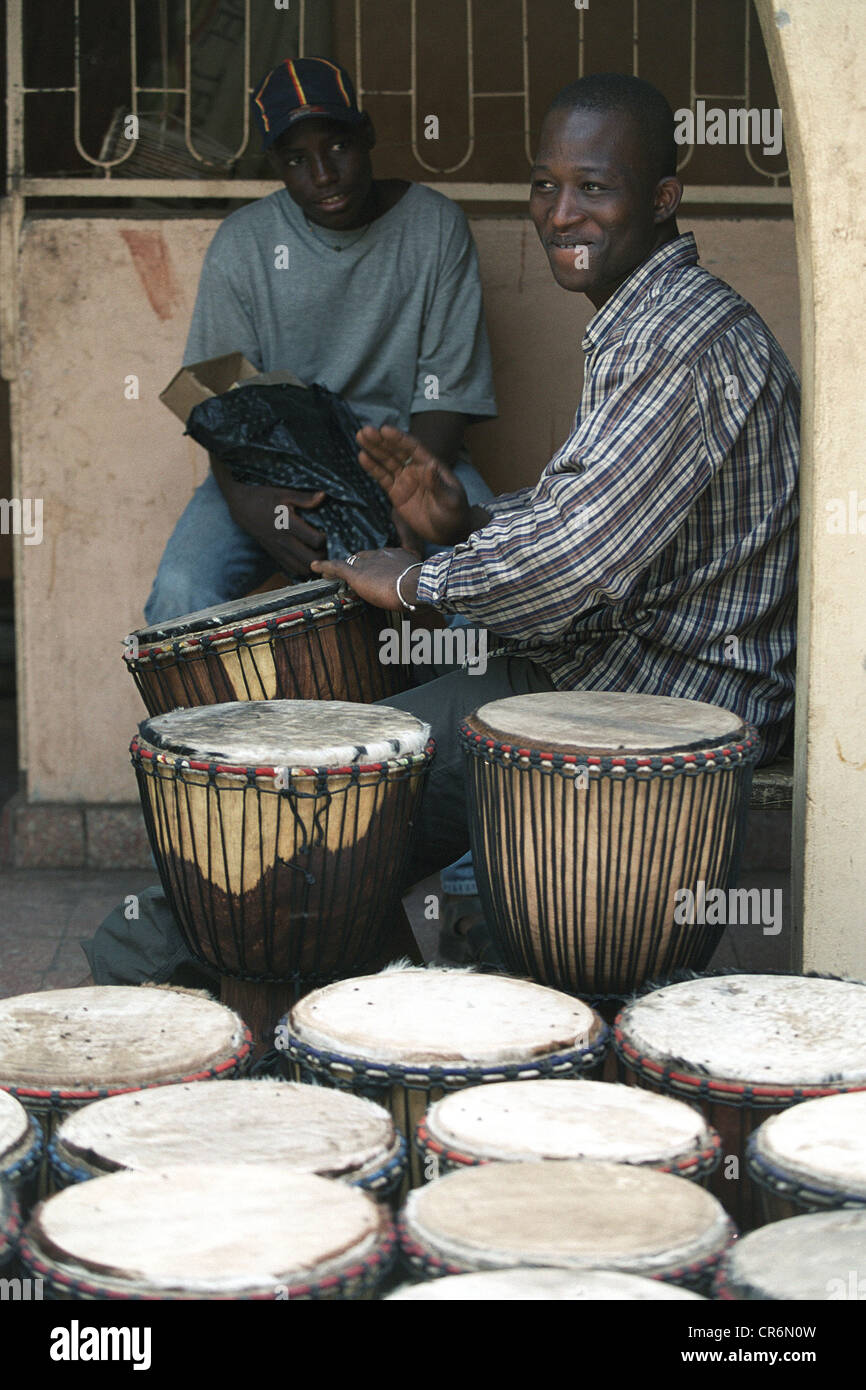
311 641
310 1129
405 1037
744 1047
214 1231
589 813
21 1146
820 1257
63 1048
525 1285
811 1157
523 1120
575 1215
282 832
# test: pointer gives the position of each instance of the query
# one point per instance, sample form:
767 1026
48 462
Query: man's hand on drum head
373 575
426 494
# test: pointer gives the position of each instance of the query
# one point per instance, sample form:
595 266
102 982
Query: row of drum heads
275 1189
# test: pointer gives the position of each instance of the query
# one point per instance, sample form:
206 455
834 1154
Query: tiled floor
43 914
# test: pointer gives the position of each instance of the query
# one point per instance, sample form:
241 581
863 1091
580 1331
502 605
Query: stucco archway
818 58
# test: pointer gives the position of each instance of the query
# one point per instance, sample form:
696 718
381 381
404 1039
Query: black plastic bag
299 437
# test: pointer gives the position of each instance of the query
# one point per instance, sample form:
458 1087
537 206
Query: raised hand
423 492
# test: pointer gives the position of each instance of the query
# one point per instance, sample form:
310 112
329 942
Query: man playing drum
657 552
367 286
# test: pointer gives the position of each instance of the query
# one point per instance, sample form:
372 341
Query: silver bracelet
409 607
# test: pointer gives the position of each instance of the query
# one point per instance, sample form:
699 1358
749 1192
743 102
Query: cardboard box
201 380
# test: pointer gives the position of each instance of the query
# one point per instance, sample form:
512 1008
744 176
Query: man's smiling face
596 202
326 168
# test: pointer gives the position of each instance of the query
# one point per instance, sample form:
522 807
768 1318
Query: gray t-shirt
393 322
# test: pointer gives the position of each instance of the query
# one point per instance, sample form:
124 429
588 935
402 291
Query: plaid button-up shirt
657 552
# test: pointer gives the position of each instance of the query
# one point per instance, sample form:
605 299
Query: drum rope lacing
55 1099
348 1072
724 1289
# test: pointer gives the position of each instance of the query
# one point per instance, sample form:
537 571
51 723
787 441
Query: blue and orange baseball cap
298 88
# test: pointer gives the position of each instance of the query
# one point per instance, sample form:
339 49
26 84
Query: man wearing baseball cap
369 287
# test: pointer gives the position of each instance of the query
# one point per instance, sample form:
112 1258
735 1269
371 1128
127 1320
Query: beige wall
536 329
104 299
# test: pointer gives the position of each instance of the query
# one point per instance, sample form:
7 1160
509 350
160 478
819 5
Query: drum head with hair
561 1119
430 1016
231 1229
773 1030
113 1036
288 733
819 1144
307 1128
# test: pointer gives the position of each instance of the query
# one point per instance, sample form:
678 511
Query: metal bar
693 62
187 114
359 80
15 91
527 130
470 95
12 212
76 104
168 189
11 217
747 98
79 186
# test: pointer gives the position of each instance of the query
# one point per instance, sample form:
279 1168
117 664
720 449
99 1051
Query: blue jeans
209 559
